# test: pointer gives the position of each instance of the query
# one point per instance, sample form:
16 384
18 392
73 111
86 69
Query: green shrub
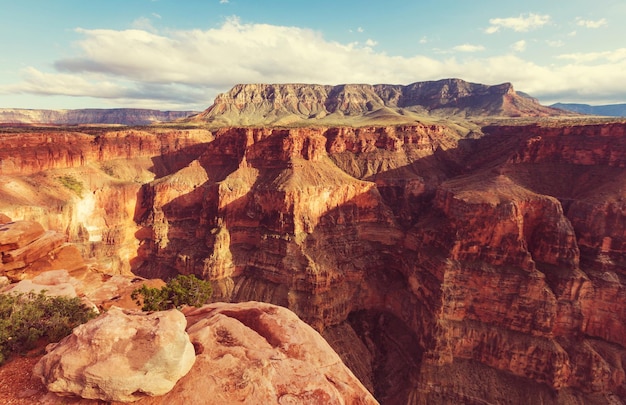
27 318
72 184
179 291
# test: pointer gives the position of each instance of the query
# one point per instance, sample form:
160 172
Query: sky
180 54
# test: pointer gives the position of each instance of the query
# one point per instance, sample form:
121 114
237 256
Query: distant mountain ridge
608 110
277 104
120 116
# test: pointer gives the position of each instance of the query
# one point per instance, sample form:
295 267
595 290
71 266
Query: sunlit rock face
85 185
311 104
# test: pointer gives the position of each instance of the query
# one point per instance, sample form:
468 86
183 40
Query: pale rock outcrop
54 282
120 356
256 353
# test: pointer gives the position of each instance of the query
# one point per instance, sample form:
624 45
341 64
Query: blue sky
179 54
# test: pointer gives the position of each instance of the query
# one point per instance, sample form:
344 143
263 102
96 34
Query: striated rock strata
85 185
444 263
472 266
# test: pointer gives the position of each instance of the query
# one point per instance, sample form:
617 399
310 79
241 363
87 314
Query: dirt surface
17 386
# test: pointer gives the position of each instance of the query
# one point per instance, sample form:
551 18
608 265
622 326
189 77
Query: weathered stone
120 356
256 353
38 248
15 235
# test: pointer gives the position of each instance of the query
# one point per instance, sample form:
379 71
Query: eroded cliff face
471 267
444 265
85 185
346 104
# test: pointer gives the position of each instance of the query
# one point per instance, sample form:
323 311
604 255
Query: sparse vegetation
179 291
26 319
72 184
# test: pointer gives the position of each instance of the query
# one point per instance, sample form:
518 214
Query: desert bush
72 184
179 291
25 319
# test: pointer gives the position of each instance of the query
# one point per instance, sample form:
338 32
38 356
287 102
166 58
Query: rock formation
118 116
27 248
288 104
250 353
120 356
476 254
85 185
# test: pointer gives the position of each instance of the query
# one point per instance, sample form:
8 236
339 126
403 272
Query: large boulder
120 356
257 353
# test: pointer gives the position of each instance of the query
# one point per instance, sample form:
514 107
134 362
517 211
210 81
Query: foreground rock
121 356
256 353
250 353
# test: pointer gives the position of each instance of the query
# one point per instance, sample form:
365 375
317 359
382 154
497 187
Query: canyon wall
443 265
85 185
498 259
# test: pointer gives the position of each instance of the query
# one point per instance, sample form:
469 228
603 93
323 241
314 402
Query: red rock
4 219
16 235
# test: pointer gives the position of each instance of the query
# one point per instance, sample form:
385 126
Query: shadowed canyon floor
445 263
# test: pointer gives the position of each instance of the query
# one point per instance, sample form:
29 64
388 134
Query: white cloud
360 29
469 48
591 23
371 43
523 23
223 1
614 56
519 46
186 69
423 40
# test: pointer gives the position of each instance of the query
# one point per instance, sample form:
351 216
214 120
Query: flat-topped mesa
111 116
286 104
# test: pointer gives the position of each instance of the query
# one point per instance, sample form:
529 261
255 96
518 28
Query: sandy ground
17 386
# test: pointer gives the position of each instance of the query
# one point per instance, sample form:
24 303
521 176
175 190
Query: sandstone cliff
497 259
85 185
348 104
118 116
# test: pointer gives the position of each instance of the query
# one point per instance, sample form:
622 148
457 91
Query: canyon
475 260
